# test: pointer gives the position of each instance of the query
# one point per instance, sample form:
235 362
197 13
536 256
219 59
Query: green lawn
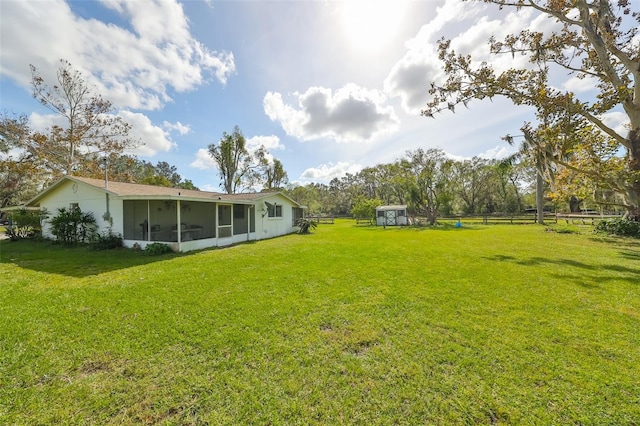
350 325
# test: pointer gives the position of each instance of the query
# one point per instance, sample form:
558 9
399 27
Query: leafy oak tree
598 40
430 193
471 183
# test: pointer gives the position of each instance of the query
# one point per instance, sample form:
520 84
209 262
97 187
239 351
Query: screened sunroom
179 221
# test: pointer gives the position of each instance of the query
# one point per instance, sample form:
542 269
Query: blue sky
328 87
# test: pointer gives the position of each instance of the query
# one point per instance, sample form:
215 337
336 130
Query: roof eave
56 184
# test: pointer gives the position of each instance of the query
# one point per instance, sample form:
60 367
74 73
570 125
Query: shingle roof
133 190
392 207
127 189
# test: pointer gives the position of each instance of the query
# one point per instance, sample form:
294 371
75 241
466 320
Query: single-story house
391 215
183 219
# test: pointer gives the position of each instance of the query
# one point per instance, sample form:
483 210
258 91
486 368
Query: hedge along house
391 215
184 219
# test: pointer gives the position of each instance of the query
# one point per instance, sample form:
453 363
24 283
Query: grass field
350 325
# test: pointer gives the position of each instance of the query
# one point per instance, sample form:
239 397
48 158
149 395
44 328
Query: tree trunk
540 196
574 204
633 194
432 215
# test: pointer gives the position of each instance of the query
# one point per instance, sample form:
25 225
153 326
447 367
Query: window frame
274 211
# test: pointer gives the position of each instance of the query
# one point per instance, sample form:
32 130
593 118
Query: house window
274 210
73 206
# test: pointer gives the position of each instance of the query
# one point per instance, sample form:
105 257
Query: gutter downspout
249 222
178 225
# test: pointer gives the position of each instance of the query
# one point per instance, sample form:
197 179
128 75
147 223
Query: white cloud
580 85
350 114
326 172
475 40
43 122
411 76
618 121
134 68
498 152
451 12
209 188
269 142
203 160
182 129
154 139
635 41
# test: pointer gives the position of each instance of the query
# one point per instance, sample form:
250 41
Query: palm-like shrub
72 226
306 225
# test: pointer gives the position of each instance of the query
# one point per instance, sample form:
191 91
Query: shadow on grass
631 255
597 274
77 262
626 242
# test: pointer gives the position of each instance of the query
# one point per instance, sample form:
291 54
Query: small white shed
391 215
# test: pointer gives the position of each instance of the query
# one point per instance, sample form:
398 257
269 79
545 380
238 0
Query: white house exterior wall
89 199
269 227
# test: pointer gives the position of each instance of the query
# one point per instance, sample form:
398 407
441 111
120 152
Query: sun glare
371 24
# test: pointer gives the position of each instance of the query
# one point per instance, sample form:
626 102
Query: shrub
154 249
107 241
25 224
72 226
16 232
619 226
306 225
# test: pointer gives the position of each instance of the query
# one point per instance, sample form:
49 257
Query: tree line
429 183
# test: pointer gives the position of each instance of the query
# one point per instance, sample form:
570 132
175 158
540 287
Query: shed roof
393 207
